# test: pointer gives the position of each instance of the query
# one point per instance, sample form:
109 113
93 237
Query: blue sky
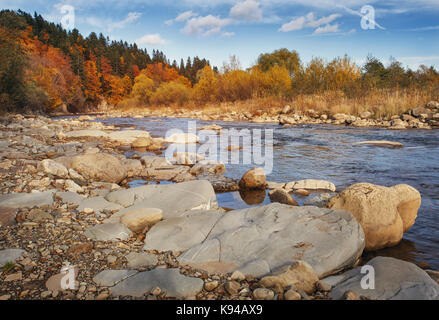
215 29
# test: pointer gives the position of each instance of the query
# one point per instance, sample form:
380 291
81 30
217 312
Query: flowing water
327 152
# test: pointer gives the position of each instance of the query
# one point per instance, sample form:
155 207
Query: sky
405 30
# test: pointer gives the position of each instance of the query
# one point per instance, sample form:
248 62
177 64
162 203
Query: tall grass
381 102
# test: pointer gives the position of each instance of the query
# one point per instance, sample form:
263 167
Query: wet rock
318 201
99 167
169 281
108 232
384 213
208 167
383 143
253 179
282 196
252 196
394 280
275 185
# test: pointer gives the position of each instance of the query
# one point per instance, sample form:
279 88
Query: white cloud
185 15
309 21
248 11
111 25
228 34
327 29
205 26
151 40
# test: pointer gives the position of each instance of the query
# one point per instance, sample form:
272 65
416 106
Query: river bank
425 117
67 198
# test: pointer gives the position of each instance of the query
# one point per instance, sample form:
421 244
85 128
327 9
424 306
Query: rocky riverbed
66 201
420 117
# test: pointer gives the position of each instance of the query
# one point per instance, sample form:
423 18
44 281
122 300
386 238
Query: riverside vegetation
66 200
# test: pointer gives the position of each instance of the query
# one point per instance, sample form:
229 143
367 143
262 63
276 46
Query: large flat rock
261 240
394 280
171 281
109 278
173 199
108 232
26 200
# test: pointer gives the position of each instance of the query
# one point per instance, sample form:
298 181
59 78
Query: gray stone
70 197
170 281
10 255
185 196
181 233
108 232
394 280
264 239
128 136
141 259
26 200
54 168
109 278
318 201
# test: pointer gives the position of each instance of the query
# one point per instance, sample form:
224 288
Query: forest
44 68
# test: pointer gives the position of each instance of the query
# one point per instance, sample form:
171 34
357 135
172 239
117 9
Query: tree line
44 67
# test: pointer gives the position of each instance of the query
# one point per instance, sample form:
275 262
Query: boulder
170 281
137 219
393 280
282 196
260 240
318 201
54 168
311 184
384 213
99 167
98 204
185 196
253 179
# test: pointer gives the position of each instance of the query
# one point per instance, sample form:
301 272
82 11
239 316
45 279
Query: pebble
292 295
211 285
263 294
232 287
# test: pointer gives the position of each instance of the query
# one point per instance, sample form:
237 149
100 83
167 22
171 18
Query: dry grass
383 103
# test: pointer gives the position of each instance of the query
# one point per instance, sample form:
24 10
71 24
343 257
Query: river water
327 152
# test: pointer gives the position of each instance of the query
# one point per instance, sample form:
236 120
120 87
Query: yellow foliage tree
206 88
143 88
171 92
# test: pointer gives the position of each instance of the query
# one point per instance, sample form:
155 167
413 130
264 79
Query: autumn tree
206 88
143 88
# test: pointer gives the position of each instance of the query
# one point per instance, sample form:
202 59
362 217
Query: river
328 152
